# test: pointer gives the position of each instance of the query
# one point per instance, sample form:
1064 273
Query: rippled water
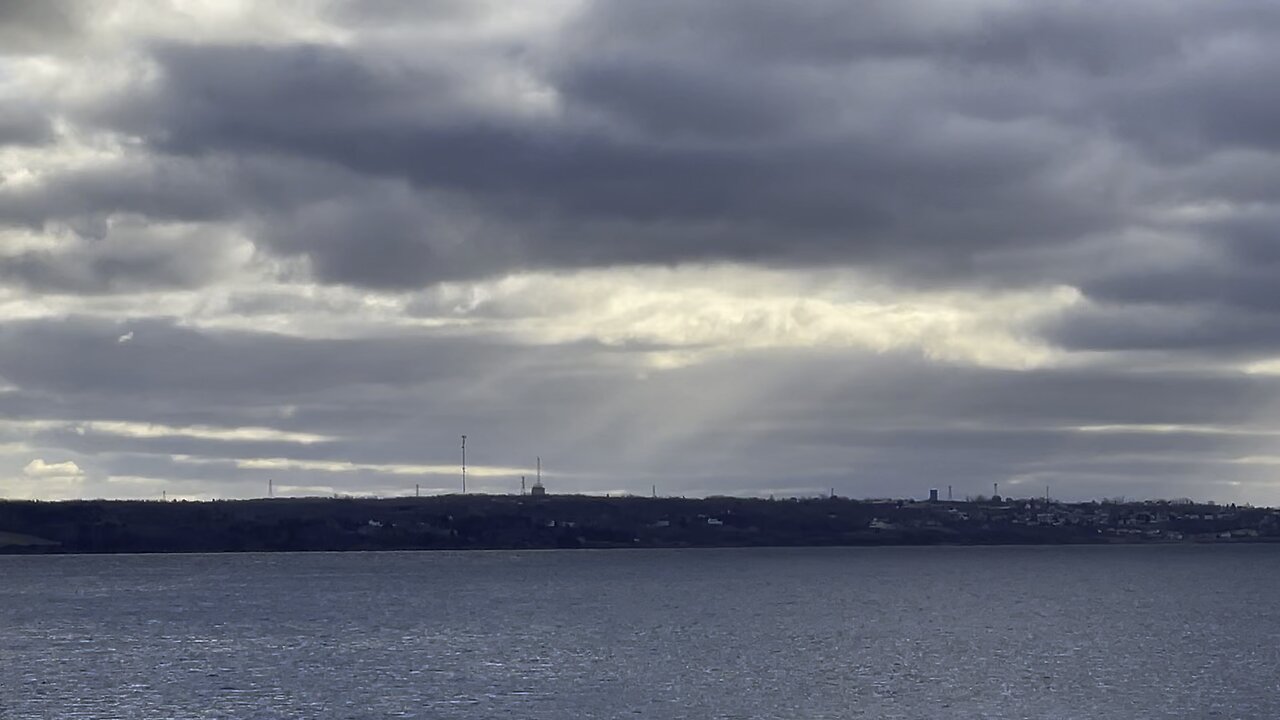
1094 632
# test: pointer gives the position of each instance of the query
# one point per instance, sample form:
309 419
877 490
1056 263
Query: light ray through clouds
720 246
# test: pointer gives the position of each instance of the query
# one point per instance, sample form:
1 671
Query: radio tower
464 464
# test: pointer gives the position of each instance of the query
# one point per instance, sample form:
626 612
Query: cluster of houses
1158 520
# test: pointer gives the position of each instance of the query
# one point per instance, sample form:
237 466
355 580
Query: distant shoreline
7 552
513 522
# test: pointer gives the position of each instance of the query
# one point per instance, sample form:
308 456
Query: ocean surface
1058 632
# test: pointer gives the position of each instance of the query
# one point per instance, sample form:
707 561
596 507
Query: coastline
514 522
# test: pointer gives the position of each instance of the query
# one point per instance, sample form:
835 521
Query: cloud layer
724 246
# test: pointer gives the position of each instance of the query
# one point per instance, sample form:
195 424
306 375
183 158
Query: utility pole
417 490
464 464
522 485
271 488
948 493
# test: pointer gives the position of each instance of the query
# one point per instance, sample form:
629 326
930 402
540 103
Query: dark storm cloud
1247 288
1237 271
167 188
919 138
295 203
725 165
1189 329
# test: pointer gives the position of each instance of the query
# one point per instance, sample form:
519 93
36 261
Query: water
1083 632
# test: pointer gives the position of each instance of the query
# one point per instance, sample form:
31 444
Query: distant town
456 522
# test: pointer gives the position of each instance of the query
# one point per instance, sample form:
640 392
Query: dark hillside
571 521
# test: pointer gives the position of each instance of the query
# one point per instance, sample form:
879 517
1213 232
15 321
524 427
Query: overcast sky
716 246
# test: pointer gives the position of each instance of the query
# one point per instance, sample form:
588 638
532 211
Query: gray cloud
877 425
82 356
1189 329
37 27
916 141
130 255
345 195
923 143
24 126
629 156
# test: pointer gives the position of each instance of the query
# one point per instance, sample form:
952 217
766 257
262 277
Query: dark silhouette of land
579 521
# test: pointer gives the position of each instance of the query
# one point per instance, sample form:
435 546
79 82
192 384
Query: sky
698 247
